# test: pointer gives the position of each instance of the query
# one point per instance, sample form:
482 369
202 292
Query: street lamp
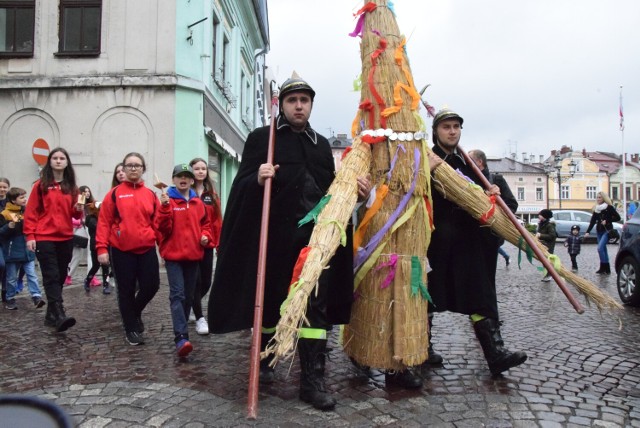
557 176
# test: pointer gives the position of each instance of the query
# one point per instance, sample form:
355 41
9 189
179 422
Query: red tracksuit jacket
181 224
48 214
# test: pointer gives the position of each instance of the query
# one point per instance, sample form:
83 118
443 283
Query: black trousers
95 265
574 261
205 270
129 269
54 258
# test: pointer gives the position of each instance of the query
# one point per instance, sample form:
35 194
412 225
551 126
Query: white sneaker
202 327
192 317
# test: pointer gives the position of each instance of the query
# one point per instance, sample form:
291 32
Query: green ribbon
417 286
292 291
357 84
315 212
528 251
555 261
343 234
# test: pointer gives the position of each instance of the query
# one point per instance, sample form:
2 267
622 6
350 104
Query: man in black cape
463 255
302 171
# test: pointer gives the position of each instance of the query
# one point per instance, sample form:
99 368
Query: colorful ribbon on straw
484 218
417 285
313 214
392 264
364 253
369 7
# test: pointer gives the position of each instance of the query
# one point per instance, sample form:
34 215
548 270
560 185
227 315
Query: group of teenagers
185 222
125 228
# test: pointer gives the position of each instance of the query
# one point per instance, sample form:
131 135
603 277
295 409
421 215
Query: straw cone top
389 99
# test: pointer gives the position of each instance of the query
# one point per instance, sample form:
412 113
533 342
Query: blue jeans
603 238
182 276
32 279
503 253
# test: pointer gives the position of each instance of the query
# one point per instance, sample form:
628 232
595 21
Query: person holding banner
302 171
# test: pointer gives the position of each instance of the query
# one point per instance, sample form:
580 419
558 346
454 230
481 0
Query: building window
17 22
539 180
79 29
566 194
520 179
627 193
592 193
539 193
520 193
614 193
217 75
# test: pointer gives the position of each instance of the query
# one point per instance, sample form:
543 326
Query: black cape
462 254
300 156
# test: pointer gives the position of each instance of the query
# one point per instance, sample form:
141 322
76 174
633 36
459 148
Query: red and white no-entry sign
40 151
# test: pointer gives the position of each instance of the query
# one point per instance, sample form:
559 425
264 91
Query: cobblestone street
582 370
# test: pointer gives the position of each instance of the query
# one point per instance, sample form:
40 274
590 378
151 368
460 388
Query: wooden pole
525 234
254 370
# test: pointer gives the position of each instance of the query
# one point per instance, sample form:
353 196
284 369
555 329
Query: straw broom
472 199
325 238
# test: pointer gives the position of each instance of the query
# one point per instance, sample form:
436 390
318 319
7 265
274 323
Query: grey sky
527 76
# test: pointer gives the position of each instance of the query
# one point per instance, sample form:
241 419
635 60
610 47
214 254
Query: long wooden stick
254 370
525 234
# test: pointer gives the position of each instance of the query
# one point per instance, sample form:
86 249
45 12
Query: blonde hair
605 197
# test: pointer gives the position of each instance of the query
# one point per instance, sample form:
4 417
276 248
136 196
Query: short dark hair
479 154
14 193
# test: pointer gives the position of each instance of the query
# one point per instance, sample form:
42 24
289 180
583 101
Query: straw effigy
388 328
472 198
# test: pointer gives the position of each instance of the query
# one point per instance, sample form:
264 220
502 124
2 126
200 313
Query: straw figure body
388 326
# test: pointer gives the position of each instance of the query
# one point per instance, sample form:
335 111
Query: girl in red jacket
184 230
203 185
126 227
53 202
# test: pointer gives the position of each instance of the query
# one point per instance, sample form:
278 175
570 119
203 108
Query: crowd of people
128 227
122 234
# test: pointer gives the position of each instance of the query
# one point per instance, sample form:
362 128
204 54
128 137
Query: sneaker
134 338
68 280
202 327
95 282
38 302
547 278
106 289
192 317
183 348
11 305
86 286
507 260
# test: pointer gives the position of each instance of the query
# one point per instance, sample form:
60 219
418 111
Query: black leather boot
63 322
50 318
87 285
404 378
497 356
434 358
601 270
607 268
312 361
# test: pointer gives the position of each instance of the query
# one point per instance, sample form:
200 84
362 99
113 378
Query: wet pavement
583 370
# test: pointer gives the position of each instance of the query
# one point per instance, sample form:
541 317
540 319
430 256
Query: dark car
628 261
564 219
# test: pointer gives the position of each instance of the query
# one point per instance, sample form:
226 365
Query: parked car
628 261
564 219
